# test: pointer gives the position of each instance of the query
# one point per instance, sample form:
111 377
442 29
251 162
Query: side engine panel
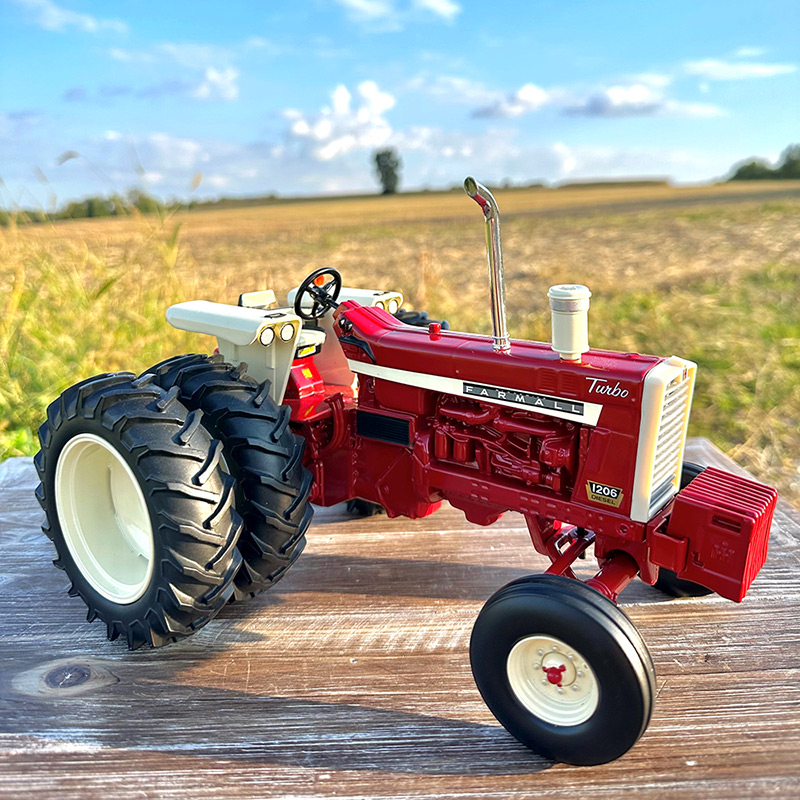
404 436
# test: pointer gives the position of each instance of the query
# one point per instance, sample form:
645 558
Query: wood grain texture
351 678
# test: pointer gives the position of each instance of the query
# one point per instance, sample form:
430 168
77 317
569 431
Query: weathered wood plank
352 677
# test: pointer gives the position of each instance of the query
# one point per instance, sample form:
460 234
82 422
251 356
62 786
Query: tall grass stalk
67 313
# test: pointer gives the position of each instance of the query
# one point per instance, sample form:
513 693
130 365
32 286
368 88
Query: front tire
563 669
261 453
138 509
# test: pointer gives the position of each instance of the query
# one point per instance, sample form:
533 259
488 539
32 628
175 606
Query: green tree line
114 205
759 169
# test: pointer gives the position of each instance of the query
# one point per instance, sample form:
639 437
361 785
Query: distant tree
756 170
119 205
387 168
789 164
100 207
143 201
74 210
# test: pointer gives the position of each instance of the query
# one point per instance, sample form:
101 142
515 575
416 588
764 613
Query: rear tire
364 508
138 509
261 453
668 581
563 669
419 319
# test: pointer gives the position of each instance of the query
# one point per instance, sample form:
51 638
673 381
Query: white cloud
655 79
377 102
622 162
218 181
749 52
643 98
619 101
393 15
569 162
340 100
160 151
716 70
153 177
637 100
525 100
368 10
340 128
432 156
218 84
46 14
446 9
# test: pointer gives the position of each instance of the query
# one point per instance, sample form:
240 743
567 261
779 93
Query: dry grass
711 280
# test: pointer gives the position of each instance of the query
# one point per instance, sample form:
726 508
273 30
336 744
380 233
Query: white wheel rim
552 680
104 518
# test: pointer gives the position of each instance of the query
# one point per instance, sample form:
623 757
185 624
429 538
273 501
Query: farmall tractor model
170 494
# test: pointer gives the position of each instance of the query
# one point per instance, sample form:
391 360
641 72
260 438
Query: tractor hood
529 375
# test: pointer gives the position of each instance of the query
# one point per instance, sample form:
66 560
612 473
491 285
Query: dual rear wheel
169 495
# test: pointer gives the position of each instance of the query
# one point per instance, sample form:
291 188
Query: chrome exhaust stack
483 197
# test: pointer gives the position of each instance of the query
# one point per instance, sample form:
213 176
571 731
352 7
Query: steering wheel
323 293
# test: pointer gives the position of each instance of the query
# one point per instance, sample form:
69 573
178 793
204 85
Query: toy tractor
170 494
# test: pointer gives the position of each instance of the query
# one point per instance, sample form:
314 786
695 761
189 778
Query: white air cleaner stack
569 310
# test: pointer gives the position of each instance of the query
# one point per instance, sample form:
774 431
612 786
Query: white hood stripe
551 406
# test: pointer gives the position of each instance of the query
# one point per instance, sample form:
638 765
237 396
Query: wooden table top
352 679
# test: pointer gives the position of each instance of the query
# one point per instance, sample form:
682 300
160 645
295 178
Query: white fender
266 339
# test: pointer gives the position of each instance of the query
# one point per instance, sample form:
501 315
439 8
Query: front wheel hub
552 680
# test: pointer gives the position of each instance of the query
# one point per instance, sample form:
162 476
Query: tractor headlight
379 303
393 305
267 336
287 332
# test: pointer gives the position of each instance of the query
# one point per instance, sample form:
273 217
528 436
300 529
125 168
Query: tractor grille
670 441
666 399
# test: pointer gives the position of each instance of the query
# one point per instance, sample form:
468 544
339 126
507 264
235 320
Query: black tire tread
575 602
263 454
418 319
170 450
566 587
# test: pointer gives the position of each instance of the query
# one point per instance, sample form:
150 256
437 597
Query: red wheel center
554 674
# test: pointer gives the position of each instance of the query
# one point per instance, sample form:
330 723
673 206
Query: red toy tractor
169 494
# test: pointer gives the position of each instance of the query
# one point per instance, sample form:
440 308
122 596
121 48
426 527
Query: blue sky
293 97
